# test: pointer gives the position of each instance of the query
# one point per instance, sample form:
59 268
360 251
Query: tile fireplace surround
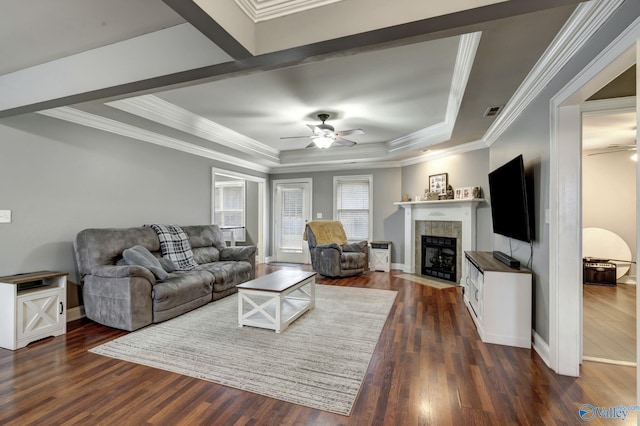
422 215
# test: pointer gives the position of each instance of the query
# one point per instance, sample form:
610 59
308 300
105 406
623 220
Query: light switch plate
5 216
318 215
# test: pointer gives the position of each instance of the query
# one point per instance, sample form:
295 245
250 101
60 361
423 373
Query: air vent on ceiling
493 111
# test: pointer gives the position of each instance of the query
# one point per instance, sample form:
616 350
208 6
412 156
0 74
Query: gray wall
529 135
609 196
388 221
468 169
59 178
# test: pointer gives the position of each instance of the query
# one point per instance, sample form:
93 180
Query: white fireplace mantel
463 211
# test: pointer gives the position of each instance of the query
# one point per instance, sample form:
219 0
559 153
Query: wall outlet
318 215
5 216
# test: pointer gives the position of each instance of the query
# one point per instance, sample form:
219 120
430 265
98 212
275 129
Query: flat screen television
511 203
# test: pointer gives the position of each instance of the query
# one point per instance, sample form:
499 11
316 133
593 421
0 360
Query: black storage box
598 271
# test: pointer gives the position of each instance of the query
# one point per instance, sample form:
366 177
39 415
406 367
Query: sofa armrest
124 271
359 247
238 253
241 253
329 246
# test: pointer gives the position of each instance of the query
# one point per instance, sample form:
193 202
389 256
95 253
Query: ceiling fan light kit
323 142
325 135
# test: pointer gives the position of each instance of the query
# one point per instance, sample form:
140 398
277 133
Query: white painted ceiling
406 94
599 131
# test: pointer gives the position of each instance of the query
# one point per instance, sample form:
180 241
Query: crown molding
447 152
263 10
335 166
160 111
360 152
583 23
441 132
112 126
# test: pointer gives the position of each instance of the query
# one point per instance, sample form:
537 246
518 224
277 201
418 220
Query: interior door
292 211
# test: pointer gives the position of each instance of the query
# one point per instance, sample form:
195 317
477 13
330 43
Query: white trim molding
263 10
565 199
160 111
112 126
583 23
440 132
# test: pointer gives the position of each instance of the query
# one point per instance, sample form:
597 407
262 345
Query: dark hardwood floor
429 368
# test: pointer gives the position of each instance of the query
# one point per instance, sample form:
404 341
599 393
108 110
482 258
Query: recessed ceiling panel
388 93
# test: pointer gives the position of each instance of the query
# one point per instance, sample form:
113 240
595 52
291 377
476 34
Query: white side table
380 255
32 307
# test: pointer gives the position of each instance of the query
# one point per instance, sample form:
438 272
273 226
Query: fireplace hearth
439 257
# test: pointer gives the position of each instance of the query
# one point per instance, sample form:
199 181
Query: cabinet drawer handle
477 296
61 308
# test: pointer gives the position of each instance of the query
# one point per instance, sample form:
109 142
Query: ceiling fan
325 135
616 148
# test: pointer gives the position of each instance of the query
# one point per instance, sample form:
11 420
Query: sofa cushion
181 287
228 274
205 236
206 254
139 255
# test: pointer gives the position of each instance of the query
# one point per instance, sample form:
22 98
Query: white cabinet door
40 314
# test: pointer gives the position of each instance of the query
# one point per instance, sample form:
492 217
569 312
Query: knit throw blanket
327 231
174 245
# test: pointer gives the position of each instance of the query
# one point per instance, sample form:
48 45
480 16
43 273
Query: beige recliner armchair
331 254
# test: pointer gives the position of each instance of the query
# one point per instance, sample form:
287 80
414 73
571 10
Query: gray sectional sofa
129 297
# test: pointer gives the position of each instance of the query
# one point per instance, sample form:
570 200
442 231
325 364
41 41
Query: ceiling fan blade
295 137
616 145
608 152
350 132
345 142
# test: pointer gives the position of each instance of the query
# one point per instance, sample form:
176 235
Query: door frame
263 229
274 185
565 224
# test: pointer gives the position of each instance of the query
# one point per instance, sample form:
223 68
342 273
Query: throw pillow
139 255
167 264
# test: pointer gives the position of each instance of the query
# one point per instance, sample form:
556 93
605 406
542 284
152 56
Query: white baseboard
397 266
541 347
609 361
269 259
75 313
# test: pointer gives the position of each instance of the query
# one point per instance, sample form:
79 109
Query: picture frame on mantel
438 183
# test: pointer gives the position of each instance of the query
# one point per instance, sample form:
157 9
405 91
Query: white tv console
32 307
499 299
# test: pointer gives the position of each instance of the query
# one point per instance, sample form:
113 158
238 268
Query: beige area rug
425 281
319 361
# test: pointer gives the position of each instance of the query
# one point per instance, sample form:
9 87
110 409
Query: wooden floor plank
609 322
429 368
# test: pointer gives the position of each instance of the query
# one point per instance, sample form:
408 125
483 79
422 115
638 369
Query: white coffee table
277 299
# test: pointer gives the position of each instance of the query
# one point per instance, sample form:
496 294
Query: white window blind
229 206
353 204
292 219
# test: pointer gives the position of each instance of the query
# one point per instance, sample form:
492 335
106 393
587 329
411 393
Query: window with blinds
352 205
229 208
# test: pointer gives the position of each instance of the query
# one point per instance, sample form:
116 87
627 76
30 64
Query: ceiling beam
197 17
455 23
